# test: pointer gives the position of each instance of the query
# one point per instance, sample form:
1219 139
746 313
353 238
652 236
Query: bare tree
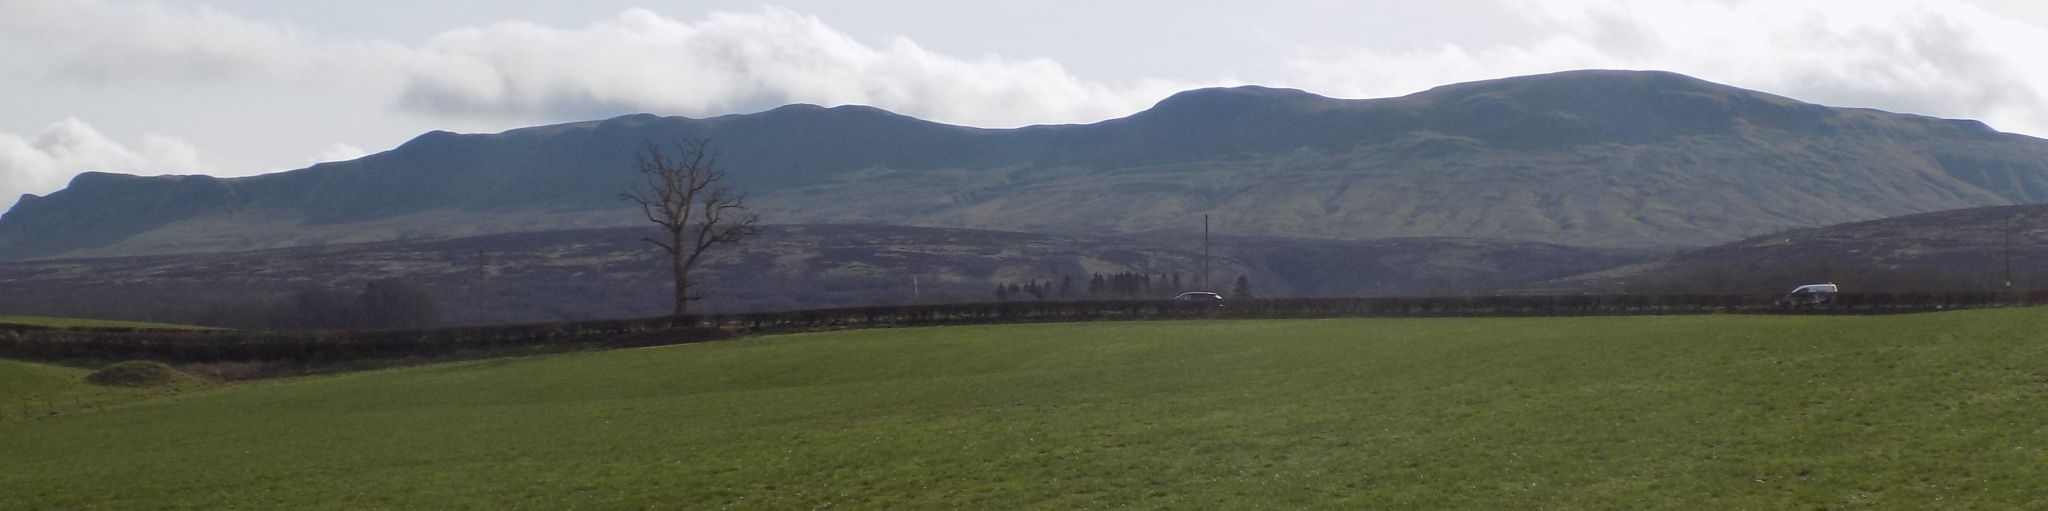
682 194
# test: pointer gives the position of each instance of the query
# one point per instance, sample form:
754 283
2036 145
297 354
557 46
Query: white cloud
44 162
339 152
1936 57
109 44
639 61
735 62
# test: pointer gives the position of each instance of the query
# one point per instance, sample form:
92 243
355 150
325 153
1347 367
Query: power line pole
1205 252
2008 251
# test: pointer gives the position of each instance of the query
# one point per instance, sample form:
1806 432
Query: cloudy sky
240 87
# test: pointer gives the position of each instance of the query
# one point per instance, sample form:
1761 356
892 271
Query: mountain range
1619 159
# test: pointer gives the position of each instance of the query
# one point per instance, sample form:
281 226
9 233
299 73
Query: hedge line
1474 306
337 346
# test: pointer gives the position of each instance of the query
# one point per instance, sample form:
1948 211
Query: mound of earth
136 373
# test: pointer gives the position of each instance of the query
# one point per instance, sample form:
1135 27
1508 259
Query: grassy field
93 323
1923 411
34 390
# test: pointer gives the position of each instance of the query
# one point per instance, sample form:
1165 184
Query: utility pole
2008 251
1205 252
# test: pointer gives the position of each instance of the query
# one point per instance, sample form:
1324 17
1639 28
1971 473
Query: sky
243 87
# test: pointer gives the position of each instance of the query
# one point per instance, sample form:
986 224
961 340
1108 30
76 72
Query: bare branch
664 245
681 193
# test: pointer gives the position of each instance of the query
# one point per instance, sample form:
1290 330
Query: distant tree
396 303
313 306
1068 290
1124 285
682 194
1243 288
239 312
1002 293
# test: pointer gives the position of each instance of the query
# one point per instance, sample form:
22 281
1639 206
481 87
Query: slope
1959 250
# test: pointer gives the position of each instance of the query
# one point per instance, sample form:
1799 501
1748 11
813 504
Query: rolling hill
1954 250
1592 158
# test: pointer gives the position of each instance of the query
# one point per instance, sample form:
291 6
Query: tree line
381 305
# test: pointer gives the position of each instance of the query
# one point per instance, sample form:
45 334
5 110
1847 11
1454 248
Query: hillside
1695 412
1590 158
1949 250
611 273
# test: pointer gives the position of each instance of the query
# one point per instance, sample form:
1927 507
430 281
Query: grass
1921 411
34 390
91 323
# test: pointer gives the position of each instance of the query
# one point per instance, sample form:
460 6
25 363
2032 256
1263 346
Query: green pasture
90 323
30 391
1928 411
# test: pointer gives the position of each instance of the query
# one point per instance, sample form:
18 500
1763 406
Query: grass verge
48 322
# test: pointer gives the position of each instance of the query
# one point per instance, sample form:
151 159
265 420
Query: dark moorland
611 273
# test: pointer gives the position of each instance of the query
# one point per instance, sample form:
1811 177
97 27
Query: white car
1810 294
1199 296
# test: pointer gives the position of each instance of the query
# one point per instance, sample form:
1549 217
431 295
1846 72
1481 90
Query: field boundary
319 348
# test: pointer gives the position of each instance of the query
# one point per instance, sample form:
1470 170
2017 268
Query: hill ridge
1597 158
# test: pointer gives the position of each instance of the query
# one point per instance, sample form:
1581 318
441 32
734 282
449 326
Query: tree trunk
682 282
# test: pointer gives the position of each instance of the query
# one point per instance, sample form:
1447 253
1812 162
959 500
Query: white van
1200 296
1810 294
